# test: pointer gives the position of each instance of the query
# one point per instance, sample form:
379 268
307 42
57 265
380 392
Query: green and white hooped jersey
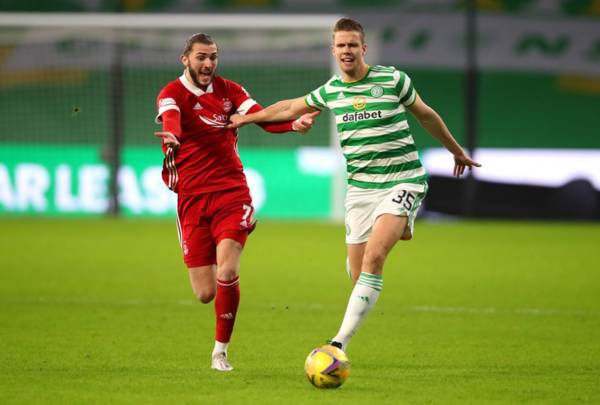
372 126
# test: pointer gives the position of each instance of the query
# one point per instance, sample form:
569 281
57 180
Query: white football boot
220 363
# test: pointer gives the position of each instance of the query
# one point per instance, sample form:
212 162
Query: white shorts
364 206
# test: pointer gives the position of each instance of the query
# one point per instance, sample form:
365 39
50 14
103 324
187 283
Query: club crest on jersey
377 91
359 102
227 105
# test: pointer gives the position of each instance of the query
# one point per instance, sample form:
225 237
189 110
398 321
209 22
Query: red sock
226 305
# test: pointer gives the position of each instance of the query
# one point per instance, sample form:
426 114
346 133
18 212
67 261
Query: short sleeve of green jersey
316 99
405 89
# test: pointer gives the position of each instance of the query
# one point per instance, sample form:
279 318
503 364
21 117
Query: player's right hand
168 139
236 121
305 122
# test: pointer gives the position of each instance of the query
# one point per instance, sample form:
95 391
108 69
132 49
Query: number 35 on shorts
405 198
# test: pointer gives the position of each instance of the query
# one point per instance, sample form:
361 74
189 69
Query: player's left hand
305 122
463 161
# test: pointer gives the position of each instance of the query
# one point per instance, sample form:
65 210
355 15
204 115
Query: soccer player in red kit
202 165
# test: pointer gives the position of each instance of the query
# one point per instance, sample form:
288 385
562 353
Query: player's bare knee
373 260
226 273
406 234
205 296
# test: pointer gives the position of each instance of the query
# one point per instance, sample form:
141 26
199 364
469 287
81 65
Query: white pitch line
497 311
314 307
83 301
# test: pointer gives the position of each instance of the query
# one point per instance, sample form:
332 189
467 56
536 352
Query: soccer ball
327 367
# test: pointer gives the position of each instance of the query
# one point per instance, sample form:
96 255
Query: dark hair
348 24
198 38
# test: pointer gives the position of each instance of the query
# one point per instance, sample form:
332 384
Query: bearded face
201 63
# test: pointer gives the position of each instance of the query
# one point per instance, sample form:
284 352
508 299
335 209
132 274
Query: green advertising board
74 180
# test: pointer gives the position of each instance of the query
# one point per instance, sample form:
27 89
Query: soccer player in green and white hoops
386 180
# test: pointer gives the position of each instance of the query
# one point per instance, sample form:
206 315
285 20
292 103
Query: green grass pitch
100 311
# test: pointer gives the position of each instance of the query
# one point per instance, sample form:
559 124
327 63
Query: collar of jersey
356 82
193 88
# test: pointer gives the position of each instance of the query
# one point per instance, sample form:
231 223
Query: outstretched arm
433 123
281 111
302 124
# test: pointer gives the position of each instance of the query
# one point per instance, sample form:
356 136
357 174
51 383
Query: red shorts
204 220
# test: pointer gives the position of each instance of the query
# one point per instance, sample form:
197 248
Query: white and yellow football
327 367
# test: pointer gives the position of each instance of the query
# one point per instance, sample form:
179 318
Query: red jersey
207 159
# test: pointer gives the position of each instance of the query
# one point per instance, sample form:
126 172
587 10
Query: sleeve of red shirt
171 121
168 113
273 127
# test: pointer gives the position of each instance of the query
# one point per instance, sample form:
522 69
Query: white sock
220 347
362 299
